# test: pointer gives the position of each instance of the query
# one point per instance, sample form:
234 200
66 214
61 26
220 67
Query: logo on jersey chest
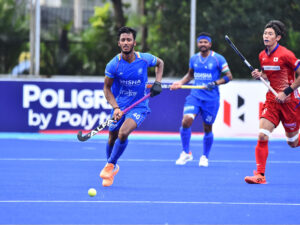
275 59
140 71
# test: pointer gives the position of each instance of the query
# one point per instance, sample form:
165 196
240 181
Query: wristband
288 90
117 107
226 78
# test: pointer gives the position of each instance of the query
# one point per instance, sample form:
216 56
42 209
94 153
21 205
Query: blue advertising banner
33 106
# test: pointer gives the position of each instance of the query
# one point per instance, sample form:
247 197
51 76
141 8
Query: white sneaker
184 158
203 161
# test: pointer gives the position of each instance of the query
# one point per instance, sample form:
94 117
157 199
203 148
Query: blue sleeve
151 59
110 68
192 60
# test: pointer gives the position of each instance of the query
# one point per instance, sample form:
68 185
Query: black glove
211 85
155 89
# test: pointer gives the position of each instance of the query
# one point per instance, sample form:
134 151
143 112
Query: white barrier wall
239 110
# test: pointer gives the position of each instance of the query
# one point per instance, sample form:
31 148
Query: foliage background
163 30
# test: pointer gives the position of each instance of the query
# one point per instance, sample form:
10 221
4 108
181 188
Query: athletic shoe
256 179
184 158
108 173
203 161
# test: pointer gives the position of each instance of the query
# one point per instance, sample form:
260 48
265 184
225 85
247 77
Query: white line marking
141 160
154 202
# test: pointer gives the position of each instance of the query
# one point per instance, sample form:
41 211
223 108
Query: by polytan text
65 118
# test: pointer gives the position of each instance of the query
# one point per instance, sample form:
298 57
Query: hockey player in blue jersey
206 68
126 76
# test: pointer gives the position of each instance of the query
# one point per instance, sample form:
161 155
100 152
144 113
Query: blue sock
117 151
208 140
185 134
108 150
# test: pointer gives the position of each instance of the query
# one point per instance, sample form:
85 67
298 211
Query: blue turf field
44 180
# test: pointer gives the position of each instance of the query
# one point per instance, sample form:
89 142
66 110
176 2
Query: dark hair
204 34
277 26
127 30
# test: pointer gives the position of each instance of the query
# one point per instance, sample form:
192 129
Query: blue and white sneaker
184 158
203 161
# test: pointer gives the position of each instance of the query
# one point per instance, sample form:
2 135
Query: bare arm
159 69
111 98
282 96
296 84
187 78
222 80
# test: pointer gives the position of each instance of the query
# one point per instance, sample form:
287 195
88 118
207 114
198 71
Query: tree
14 33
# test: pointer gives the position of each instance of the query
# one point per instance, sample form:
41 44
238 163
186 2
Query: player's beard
204 49
128 52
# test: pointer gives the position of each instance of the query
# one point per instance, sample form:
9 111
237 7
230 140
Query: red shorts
286 113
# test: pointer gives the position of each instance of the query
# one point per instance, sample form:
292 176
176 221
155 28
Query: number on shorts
137 116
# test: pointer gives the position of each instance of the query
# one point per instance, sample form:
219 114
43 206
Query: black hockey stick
107 122
248 64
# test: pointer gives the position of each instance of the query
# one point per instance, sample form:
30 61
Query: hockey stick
107 122
248 64
182 86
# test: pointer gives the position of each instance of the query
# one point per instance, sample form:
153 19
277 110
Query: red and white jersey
279 66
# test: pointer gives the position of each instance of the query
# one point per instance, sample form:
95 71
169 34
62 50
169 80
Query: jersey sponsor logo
130 82
271 68
275 59
128 92
140 71
203 76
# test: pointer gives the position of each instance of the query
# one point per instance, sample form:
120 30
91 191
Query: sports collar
272 50
137 54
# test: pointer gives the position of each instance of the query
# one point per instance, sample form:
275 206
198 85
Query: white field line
140 160
153 202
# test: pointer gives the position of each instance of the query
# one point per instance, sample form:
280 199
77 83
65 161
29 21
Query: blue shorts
137 114
207 109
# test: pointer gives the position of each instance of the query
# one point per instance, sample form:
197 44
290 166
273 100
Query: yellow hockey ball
92 192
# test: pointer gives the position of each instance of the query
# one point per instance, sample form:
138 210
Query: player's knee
293 144
123 136
293 141
263 135
112 139
207 129
187 121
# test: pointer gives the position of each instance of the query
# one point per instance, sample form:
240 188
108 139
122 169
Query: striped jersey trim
225 68
138 54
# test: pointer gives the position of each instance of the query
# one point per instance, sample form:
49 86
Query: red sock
261 155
